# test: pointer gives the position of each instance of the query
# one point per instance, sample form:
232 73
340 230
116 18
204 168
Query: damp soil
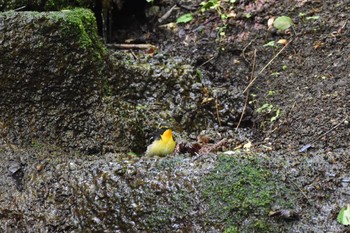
298 89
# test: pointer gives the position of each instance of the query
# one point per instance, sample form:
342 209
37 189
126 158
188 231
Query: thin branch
131 46
207 61
245 48
267 65
217 110
302 192
20 8
247 94
167 14
333 128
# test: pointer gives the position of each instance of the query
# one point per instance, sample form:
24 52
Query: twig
207 61
302 192
131 46
267 65
133 54
217 110
333 128
245 48
206 149
247 94
166 15
20 8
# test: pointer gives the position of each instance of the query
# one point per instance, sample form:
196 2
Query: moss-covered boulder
52 76
59 192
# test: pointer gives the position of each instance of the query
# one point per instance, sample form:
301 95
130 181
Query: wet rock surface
49 88
172 86
121 193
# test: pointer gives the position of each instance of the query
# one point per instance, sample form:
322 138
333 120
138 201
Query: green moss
75 28
81 23
238 188
179 208
231 229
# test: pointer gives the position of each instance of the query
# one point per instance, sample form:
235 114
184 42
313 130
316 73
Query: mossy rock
240 192
53 75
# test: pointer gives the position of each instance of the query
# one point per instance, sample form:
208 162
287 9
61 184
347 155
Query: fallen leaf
247 146
270 22
344 215
283 23
282 41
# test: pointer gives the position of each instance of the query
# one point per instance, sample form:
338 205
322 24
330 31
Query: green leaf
223 16
266 108
271 93
275 74
185 18
271 43
315 17
275 117
282 23
199 73
248 15
344 215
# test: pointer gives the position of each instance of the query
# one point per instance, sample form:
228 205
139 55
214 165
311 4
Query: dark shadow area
121 21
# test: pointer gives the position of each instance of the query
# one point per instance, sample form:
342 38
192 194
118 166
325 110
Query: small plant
210 4
248 15
271 93
221 30
275 74
216 5
270 109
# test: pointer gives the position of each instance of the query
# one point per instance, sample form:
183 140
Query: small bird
162 143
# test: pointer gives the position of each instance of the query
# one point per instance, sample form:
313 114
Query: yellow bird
162 143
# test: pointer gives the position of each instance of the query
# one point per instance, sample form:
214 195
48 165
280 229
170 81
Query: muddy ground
300 93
